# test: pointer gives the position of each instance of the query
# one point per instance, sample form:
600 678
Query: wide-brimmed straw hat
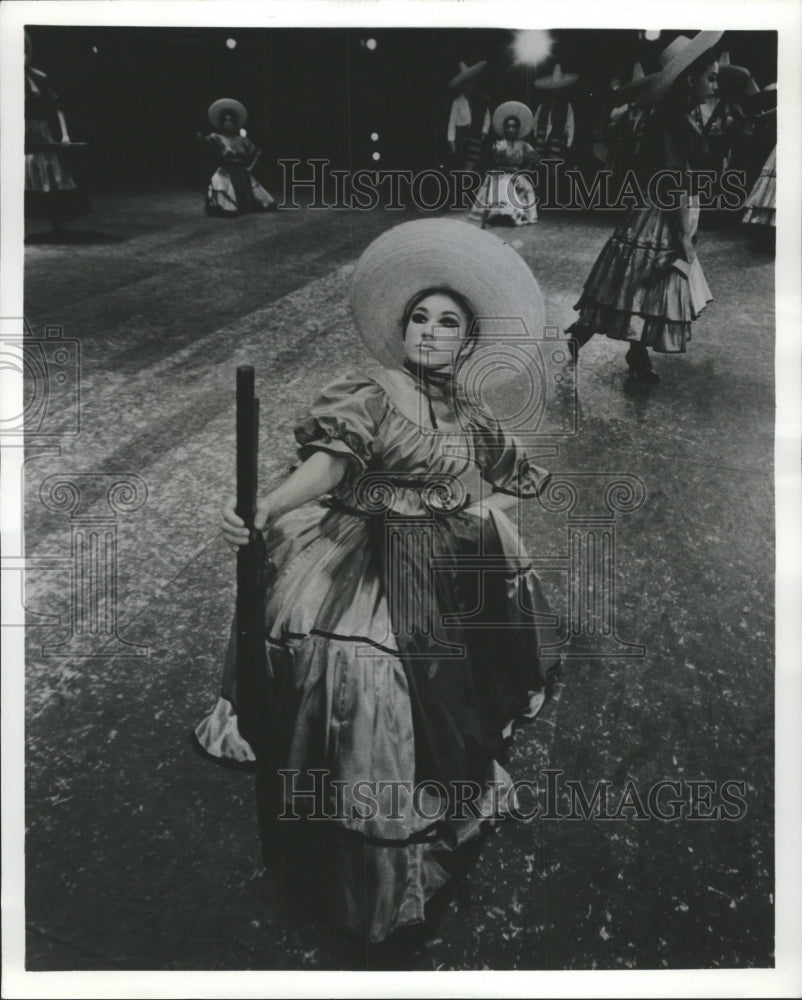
466 72
556 79
227 104
735 80
675 59
443 253
513 109
630 90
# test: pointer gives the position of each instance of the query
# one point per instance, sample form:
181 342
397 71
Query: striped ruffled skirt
633 293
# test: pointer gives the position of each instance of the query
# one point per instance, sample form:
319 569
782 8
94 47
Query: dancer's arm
319 474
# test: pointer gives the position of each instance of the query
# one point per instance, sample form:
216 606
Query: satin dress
406 629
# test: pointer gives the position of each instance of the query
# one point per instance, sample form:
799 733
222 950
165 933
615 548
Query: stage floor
140 855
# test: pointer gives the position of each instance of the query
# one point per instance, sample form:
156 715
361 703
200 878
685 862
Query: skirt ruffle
50 190
344 709
762 200
633 293
506 197
235 190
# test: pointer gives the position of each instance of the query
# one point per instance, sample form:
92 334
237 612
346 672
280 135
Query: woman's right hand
234 531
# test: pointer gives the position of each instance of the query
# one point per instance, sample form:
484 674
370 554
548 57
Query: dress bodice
399 461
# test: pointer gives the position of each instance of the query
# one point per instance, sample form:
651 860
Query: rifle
253 684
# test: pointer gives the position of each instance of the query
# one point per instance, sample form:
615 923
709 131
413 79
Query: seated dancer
233 189
395 668
507 195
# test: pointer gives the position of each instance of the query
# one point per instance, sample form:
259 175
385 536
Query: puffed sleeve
504 463
344 420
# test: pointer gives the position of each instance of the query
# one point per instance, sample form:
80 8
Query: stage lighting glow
651 36
231 43
377 156
374 136
371 44
95 49
531 48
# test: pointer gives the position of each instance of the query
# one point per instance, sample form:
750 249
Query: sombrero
513 109
675 59
726 68
466 72
735 80
218 108
556 79
628 91
442 253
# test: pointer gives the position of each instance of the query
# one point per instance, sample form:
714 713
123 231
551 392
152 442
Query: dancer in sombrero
507 194
647 285
233 189
468 119
406 628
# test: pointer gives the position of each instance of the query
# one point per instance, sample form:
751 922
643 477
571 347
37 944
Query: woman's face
704 84
511 128
229 123
435 330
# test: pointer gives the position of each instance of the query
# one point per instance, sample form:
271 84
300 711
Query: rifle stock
253 687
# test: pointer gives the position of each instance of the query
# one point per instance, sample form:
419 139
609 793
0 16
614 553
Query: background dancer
469 119
507 195
50 190
233 189
647 285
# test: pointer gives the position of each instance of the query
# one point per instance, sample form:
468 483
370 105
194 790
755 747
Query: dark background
142 96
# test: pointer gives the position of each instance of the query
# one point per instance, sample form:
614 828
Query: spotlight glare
231 43
377 156
95 49
371 44
651 36
374 136
531 48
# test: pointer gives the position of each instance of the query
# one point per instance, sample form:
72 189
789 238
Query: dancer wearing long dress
507 195
647 286
50 190
396 670
233 189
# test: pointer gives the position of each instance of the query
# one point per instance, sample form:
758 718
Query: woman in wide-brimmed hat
507 195
469 117
647 285
376 677
233 189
